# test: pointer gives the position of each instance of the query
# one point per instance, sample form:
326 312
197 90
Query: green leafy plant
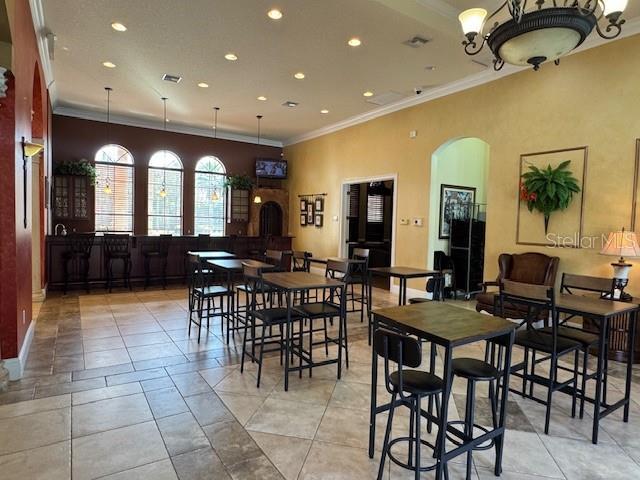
548 190
238 182
81 168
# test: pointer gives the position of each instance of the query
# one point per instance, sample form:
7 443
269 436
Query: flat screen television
271 168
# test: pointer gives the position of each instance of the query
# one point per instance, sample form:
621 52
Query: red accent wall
75 139
15 123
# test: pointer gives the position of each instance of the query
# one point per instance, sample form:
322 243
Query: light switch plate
417 221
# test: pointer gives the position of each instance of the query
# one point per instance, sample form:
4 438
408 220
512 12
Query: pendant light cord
259 117
215 121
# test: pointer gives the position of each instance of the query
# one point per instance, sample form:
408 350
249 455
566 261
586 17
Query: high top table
212 254
449 327
612 318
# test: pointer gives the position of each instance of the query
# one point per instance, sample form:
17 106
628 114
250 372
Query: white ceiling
190 38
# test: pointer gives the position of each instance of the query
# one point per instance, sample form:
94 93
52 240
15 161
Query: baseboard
16 365
411 292
39 296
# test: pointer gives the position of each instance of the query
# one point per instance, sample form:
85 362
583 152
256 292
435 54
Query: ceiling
165 37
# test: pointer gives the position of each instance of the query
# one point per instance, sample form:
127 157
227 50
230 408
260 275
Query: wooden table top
403 272
212 254
337 259
593 305
235 264
444 324
299 281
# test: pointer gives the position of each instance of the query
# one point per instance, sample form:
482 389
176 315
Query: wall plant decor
551 197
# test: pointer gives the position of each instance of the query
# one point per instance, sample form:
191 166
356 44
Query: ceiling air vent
167 77
416 42
386 98
290 104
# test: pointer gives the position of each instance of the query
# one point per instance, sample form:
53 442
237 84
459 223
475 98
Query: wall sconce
257 199
29 149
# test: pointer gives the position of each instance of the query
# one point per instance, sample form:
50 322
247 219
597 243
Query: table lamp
621 244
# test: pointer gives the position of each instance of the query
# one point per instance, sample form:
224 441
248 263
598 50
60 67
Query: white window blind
210 198
375 208
114 190
164 194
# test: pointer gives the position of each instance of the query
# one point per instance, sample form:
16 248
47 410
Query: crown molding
40 29
631 28
171 127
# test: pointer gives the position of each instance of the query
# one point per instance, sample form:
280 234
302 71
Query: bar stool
117 247
474 371
156 248
359 277
79 247
408 388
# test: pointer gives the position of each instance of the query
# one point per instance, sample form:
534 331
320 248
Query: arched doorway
37 223
457 208
271 219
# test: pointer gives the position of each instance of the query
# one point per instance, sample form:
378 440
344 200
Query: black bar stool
156 248
78 251
117 247
474 371
408 388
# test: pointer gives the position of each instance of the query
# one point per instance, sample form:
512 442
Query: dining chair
156 248
78 251
538 301
117 247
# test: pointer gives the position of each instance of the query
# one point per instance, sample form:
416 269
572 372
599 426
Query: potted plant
81 168
548 190
238 182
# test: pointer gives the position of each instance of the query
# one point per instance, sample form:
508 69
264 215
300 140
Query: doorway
271 220
368 213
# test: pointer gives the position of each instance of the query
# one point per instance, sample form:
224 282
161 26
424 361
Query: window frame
222 193
181 190
115 164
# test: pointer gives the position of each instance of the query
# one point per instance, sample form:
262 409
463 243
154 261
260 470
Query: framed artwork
310 208
565 226
319 218
455 202
319 204
303 219
303 205
309 218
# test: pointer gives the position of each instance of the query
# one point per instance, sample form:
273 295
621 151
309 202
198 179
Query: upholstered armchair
531 267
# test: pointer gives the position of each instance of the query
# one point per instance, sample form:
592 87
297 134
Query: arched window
114 190
209 205
165 194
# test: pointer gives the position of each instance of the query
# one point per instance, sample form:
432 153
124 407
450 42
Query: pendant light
215 196
163 190
258 198
107 182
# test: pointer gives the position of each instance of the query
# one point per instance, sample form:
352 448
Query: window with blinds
164 194
210 198
375 208
354 200
114 190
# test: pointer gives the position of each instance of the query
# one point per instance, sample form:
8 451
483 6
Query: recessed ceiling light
274 14
203 85
118 27
299 75
66 49
109 64
430 67
324 110
232 57
290 104
262 98
368 94
354 42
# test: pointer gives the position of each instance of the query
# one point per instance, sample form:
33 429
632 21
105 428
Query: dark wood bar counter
241 246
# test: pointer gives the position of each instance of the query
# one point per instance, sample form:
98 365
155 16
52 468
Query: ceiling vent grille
416 42
386 98
290 104
167 77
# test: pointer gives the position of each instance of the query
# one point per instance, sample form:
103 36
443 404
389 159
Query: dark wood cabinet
71 197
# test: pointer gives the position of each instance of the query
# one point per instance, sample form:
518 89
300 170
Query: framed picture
303 219
319 205
319 218
309 218
303 205
310 208
455 203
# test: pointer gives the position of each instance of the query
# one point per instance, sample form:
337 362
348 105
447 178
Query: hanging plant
548 190
81 168
238 182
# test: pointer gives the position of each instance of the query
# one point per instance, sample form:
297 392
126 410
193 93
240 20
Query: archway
458 197
270 219
38 195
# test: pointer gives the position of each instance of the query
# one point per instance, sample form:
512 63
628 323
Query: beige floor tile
162 470
149 352
181 433
286 453
237 382
138 328
305 390
35 406
190 383
51 462
259 468
201 464
283 417
69 387
213 376
166 402
241 406
338 462
106 392
126 450
208 409
146 339
34 430
106 358
100 344
100 332
108 414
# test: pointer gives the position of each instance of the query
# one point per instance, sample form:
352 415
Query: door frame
344 210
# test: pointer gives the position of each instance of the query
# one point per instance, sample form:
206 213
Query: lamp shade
30 149
472 20
613 6
621 244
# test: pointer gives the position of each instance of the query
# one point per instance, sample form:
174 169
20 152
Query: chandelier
546 32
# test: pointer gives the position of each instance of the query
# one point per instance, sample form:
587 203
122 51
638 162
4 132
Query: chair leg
574 402
585 364
261 355
469 419
418 443
385 443
199 317
552 382
244 345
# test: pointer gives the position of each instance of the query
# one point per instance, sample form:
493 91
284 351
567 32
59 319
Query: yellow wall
592 98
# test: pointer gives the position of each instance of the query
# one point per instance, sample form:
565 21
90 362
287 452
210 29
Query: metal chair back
400 349
80 243
116 244
301 262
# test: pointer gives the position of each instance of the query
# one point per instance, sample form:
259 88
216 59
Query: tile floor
115 389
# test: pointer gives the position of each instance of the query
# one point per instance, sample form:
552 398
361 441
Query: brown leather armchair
531 267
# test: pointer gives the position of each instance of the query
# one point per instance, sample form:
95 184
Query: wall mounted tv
271 168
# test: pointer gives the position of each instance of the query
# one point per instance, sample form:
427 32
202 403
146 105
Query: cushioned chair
532 268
